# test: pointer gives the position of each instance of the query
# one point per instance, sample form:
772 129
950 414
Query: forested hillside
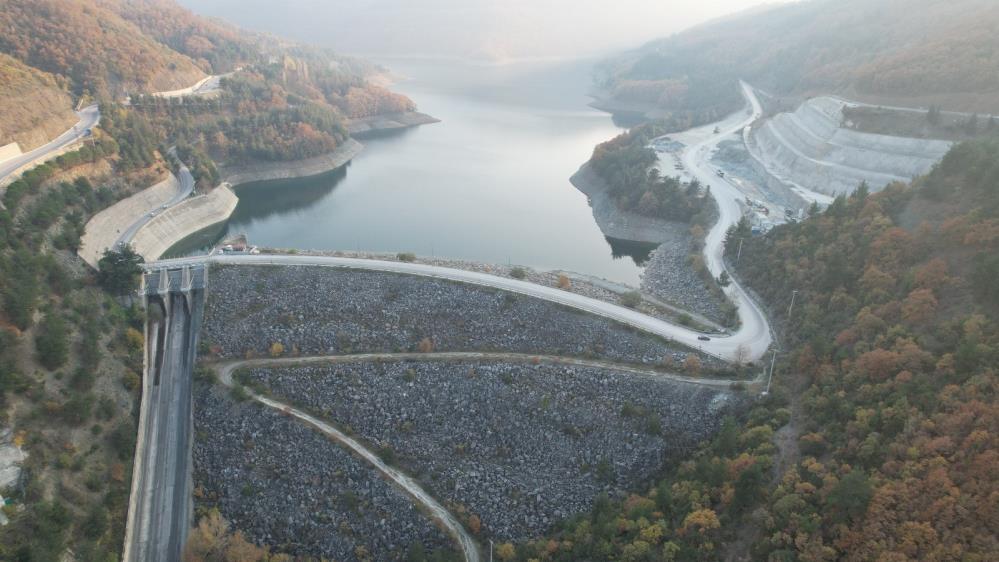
287 101
879 440
70 357
213 45
34 106
910 52
626 163
97 51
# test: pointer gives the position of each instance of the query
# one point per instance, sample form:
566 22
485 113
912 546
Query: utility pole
773 360
794 293
739 255
490 550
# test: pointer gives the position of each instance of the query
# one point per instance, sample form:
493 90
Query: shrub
631 299
131 380
406 256
51 342
426 345
518 273
564 282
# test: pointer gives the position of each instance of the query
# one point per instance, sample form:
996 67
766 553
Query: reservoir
489 183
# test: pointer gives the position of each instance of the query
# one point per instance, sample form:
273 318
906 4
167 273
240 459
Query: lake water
489 183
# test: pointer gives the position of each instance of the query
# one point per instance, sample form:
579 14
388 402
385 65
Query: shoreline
389 122
218 210
614 222
270 171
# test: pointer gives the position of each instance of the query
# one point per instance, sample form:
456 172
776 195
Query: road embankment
389 121
182 220
270 171
105 227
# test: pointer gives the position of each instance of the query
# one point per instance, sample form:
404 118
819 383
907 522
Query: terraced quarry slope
809 148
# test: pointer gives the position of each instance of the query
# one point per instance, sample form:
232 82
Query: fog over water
489 183
495 30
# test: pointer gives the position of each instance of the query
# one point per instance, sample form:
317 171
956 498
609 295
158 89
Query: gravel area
518 445
287 486
669 276
323 310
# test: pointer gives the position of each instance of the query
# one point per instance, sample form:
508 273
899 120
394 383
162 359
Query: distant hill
34 106
905 52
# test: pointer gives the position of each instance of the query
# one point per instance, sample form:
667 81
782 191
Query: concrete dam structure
811 150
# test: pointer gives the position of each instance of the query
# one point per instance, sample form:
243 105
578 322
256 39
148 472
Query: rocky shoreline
616 223
389 122
268 171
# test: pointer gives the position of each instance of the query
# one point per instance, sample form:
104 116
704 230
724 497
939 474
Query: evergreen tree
119 270
51 342
933 115
971 125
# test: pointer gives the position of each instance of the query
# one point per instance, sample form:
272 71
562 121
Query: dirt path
446 520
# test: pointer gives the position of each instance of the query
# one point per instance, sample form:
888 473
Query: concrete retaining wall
8 151
105 227
183 220
809 148
16 174
269 171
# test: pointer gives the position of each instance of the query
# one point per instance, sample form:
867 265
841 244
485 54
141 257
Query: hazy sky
491 29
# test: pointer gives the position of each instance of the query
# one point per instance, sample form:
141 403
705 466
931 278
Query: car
704 338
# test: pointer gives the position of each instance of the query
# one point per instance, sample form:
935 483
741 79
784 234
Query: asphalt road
755 339
186 188
89 118
162 495
754 331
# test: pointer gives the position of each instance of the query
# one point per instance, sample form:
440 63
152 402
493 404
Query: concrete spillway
809 148
160 508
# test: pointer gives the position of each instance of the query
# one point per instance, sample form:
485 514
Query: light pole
794 293
773 360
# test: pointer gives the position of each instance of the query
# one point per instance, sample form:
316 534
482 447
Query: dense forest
879 441
626 163
912 52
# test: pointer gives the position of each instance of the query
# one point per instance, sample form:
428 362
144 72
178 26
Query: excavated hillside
34 107
810 148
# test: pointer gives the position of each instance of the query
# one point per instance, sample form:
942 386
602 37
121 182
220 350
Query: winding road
748 343
183 192
89 116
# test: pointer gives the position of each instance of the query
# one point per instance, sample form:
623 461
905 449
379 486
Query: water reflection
489 183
